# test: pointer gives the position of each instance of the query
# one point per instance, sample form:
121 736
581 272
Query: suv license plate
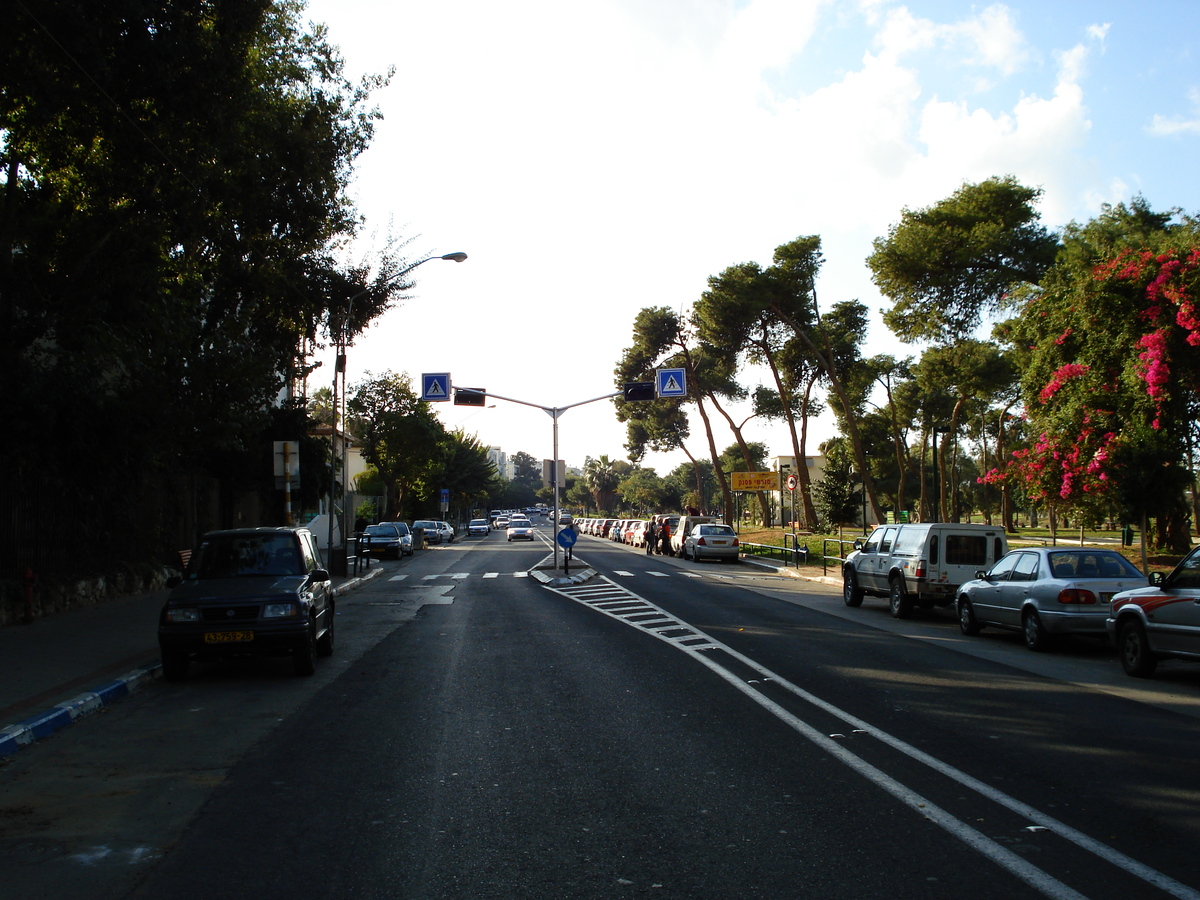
227 637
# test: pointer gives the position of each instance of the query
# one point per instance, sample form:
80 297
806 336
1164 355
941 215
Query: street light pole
553 412
340 368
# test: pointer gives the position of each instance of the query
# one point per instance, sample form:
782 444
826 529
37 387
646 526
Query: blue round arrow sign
567 538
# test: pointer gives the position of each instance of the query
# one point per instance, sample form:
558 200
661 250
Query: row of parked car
1040 592
691 537
395 539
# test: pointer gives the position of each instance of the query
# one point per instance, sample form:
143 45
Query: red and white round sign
792 482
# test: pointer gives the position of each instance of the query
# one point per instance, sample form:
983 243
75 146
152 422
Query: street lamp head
457 256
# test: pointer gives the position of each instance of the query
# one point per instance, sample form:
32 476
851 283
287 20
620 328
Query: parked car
433 533
1160 621
406 537
715 541
519 530
681 529
382 540
479 526
920 564
446 530
249 592
1044 592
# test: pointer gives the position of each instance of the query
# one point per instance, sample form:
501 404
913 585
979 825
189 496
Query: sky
597 158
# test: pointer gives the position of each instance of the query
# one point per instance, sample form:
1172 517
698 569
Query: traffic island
576 571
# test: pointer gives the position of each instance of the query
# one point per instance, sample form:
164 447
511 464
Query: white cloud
1168 126
989 40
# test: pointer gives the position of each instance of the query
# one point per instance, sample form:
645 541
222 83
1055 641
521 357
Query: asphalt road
667 730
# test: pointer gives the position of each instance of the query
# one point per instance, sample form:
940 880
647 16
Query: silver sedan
1047 591
711 542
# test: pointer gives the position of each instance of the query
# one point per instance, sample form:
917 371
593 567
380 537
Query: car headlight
183 614
280 610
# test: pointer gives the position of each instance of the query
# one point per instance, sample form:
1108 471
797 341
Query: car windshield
519 525
401 527
428 526
236 555
715 529
381 531
478 522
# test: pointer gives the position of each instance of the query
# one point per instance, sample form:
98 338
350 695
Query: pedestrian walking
665 538
651 536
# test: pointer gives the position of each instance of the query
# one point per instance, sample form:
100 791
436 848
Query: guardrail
794 555
826 556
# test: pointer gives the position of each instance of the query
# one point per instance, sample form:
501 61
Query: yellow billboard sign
754 481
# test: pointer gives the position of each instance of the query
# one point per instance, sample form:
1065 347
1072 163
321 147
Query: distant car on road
479 526
249 592
433 533
519 530
383 540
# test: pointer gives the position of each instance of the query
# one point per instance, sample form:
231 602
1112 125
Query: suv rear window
966 550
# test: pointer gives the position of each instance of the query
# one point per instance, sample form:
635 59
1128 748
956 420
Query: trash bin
1127 536
801 555
418 536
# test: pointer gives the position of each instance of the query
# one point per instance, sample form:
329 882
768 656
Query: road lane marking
490 574
397 578
618 603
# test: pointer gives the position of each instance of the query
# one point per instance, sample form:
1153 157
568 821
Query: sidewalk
67 665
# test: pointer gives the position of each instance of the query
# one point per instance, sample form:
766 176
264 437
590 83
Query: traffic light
639 390
470 397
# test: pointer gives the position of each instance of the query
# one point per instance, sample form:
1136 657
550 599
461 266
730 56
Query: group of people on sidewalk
658 536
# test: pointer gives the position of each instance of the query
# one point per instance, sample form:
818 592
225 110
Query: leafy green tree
945 266
401 437
172 187
527 471
642 490
1113 374
836 499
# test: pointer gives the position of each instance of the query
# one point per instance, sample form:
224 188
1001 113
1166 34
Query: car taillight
735 542
1076 595
920 573
700 543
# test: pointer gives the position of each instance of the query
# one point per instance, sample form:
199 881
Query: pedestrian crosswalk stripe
490 574
520 574
397 578
623 572
659 574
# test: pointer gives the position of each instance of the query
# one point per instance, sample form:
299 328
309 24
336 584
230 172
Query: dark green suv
249 592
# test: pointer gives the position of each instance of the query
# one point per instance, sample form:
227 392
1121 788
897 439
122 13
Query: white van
920 564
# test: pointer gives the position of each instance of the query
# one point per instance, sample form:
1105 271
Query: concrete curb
44 724
14 737
793 573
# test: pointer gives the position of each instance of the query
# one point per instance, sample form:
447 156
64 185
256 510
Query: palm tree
602 478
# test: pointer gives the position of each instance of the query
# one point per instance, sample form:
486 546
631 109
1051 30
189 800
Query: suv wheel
1134 649
852 594
304 657
901 603
326 641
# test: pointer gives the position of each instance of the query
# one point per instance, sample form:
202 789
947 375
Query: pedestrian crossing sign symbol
670 383
436 387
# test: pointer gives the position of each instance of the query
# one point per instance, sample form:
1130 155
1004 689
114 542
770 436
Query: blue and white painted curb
14 737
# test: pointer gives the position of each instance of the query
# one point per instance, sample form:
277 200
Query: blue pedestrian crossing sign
436 387
670 383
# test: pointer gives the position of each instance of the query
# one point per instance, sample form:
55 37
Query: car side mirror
858 545
1156 578
980 574
320 575
174 581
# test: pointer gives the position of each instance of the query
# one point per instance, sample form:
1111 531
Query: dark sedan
249 592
